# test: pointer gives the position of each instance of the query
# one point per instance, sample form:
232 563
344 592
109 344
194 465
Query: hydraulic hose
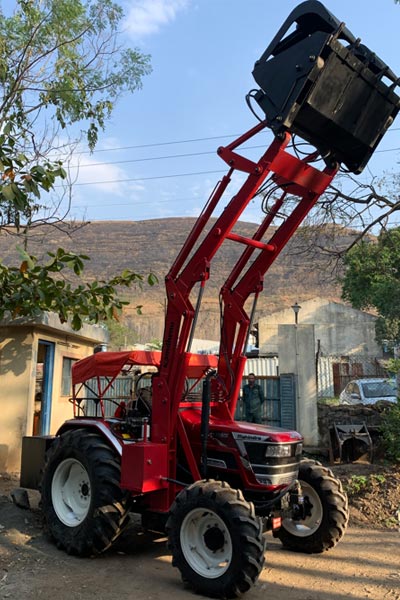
205 421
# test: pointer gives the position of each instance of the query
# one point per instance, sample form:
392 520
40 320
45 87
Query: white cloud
148 16
100 176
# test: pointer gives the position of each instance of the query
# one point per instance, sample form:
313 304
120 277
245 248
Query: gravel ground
365 564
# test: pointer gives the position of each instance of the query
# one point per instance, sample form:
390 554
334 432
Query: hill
153 245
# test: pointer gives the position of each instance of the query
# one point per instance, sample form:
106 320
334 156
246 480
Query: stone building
329 344
339 329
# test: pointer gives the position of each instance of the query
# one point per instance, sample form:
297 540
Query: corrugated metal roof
262 366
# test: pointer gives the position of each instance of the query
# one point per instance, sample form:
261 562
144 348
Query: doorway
43 388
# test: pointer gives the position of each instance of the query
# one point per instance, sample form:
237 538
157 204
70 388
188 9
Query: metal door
44 387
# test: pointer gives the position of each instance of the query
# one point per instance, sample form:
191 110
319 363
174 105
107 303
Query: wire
387 150
134 203
133 160
185 141
153 217
190 154
294 144
188 141
146 178
153 145
250 94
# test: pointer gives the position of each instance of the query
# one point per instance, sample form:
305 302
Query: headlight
278 450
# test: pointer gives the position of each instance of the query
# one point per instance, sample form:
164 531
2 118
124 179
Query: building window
66 378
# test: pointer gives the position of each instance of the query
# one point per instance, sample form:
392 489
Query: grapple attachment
321 83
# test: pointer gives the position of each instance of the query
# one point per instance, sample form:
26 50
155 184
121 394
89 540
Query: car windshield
380 389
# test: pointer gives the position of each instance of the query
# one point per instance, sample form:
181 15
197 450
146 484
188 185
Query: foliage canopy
62 69
372 280
390 432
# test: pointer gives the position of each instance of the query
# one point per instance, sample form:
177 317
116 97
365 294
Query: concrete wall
341 329
19 343
296 347
16 392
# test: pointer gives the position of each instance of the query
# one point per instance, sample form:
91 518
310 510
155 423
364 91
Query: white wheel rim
309 525
71 492
206 543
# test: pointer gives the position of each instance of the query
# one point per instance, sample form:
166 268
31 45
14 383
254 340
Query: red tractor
168 448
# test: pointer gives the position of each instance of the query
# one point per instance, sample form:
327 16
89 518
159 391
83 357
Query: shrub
390 430
359 484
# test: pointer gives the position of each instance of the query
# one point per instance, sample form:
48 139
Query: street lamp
296 308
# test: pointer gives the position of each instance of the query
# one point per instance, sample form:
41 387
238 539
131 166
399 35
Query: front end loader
170 450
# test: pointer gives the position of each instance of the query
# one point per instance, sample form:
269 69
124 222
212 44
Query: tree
62 69
122 334
350 210
155 344
32 288
372 280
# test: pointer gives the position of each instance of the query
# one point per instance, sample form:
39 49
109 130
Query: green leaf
152 279
76 322
8 192
7 127
38 170
30 260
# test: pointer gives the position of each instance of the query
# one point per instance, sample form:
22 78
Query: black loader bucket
321 83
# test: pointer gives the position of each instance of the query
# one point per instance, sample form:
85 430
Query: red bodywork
295 177
144 461
170 420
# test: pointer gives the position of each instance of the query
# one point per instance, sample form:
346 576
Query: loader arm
297 178
192 266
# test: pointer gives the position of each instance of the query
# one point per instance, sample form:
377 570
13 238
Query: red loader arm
293 176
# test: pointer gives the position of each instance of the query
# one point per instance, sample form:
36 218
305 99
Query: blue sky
203 52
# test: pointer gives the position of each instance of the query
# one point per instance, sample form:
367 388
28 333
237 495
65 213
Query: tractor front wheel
215 539
326 512
84 508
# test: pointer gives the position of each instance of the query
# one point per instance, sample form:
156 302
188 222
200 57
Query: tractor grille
271 470
276 475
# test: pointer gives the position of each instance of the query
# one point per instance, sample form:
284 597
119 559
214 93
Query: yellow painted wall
18 359
15 394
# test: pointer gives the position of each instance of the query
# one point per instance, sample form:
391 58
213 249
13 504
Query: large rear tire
84 508
327 512
215 539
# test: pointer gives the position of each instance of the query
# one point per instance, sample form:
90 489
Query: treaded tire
82 471
208 519
327 520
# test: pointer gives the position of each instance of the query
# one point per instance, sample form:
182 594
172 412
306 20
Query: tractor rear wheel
327 512
215 539
84 508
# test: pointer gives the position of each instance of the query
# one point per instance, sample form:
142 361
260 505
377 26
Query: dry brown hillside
153 245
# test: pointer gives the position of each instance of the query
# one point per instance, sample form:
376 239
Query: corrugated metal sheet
121 389
325 377
262 366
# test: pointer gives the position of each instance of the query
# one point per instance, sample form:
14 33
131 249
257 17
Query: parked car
369 391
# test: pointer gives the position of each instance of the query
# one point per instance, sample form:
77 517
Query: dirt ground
365 564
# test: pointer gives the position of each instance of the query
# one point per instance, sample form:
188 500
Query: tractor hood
240 429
